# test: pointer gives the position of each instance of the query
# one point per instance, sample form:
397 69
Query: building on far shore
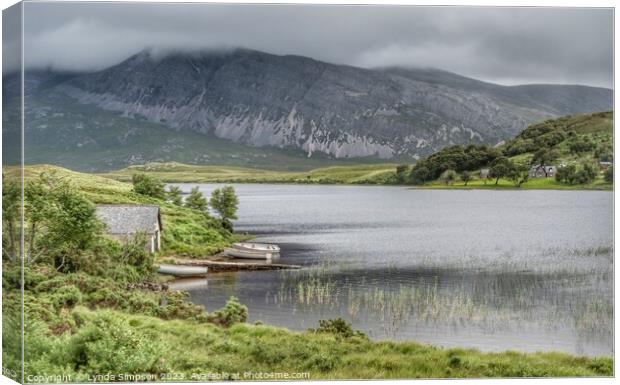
123 222
484 173
539 171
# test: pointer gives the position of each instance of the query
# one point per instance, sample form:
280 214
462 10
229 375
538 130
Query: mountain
291 104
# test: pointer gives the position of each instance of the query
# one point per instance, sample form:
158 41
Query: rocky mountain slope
297 103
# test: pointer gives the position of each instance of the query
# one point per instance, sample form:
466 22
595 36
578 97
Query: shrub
233 312
149 186
196 201
338 327
109 344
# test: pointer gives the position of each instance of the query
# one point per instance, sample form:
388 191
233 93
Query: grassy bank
176 343
503 184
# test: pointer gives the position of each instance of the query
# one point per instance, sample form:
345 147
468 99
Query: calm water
494 270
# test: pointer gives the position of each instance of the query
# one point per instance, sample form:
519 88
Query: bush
338 327
233 312
149 186
108 344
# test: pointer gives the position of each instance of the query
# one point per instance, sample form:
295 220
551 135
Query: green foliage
420 174
233 312
151 345
225 202
196 201
338 327
604 152
585 173
581 144
500 168
466 177
108 344
609 174
448 177
401 173
146 185
60 222
457 158
11 213
567 174
174 196
518 175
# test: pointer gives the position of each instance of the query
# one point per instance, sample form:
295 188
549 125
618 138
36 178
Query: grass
189 350
186 232
183 173
532 184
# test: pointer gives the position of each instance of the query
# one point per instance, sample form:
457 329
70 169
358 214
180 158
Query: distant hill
250 108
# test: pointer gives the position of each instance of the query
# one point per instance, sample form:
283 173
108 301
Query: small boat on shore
260 247
183 271
247 254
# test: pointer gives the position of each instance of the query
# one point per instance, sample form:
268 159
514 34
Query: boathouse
123 222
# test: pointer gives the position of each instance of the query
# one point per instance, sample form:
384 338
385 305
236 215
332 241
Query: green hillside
574 144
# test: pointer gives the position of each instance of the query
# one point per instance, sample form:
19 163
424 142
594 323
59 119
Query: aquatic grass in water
493 300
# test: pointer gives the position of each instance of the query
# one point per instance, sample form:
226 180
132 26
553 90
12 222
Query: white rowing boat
249 254
258 247
183 271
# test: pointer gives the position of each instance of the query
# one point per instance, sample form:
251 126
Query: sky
501 45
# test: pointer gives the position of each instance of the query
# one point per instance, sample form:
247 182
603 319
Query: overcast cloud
504 45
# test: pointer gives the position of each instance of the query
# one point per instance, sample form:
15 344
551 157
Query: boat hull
183 271
247 254
256 247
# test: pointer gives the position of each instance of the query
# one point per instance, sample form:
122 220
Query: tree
174 195
195 200
567 174
225 202
501 167
419 175
609 174
544 157
149 186
466 177
448 177
60 223
518 175
587 173
581 144
401 173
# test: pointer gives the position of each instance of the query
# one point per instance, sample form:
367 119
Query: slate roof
129 219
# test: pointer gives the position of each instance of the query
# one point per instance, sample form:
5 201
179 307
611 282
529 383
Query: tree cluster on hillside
223 200
547 142
456 158
583 173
